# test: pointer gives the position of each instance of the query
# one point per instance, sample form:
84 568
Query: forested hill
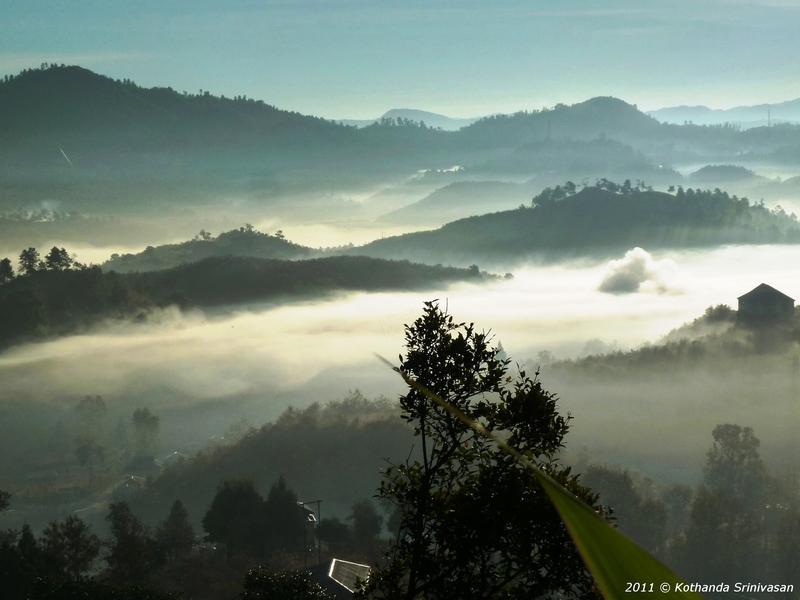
76 109
228 280
602 116
357 437
106 126
100 146
713 342
70 134
606 217
96 119
245 241
50 302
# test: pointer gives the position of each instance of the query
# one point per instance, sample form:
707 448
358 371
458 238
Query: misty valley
199 296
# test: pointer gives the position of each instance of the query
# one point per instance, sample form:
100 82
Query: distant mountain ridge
602 116
96 144
722 174
58 100
461 199
746 116
431 119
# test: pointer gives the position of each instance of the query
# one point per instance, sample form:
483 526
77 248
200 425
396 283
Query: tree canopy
473 522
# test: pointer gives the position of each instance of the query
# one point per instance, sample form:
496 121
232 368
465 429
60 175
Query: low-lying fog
266 357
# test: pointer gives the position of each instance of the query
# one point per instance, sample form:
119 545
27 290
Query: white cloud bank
638 271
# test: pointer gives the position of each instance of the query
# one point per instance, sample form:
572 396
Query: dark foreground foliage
473 522
261 584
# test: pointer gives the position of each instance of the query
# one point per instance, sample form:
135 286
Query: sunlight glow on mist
255 348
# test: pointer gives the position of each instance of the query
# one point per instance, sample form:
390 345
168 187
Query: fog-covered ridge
60 299
571 221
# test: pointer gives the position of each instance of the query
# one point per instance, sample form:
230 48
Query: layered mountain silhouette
745 116
69 115
602 116
430 119
86 115
460 199
93 143
593 221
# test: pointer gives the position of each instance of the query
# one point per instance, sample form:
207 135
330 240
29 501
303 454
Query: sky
359 58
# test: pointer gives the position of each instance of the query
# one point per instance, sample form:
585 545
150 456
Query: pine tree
175 536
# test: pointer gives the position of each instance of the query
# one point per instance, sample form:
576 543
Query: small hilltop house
764 305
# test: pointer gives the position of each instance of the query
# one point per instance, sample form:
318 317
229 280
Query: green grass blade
612 558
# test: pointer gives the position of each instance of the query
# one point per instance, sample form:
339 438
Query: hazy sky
358 58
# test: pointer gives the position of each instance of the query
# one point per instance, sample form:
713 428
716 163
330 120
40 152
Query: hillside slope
355 436
52 303
244 241
594 221
459 199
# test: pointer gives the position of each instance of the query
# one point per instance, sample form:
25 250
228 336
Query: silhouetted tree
6 271
145 428
475 524
733 464
27 545
70 547
236 518
130 555
367 525
58 259
284 521
89 453
32 561
18 572
5 497
175 536
677 499
726 522
643 519
29 261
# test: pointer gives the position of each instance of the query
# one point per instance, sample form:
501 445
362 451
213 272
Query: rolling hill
602 116
460 199
51 303
431 119
723 174
244 241
592 222
75 109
